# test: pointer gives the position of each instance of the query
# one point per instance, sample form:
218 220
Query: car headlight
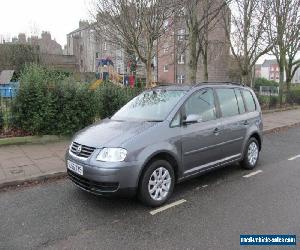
112 154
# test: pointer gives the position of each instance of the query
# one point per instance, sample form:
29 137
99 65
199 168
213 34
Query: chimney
83 23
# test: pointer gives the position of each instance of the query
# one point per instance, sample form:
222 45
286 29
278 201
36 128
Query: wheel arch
258 138
162 155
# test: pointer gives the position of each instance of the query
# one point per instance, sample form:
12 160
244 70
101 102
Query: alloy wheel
159 184
253 153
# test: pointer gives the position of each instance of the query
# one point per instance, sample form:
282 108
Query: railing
7 94
269 91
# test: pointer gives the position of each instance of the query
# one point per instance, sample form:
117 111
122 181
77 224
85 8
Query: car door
200 139
233 122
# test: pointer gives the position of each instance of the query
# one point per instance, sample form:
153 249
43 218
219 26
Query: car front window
152 105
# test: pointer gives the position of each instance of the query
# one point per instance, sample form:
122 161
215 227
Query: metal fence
269 91
7 94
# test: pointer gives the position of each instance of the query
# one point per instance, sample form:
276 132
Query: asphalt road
219 207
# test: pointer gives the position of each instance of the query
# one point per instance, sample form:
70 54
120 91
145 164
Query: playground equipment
106 71
96 84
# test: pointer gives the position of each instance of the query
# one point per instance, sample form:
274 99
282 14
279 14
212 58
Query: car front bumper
106 178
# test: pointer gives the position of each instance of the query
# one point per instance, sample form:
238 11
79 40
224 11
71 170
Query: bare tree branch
134 25
247 34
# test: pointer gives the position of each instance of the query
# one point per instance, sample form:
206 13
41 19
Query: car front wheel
157 183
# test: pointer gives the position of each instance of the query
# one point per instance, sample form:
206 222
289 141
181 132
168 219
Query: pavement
278 120
35 162
219 207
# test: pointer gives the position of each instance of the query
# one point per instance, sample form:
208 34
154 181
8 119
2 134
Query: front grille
93 186
85 151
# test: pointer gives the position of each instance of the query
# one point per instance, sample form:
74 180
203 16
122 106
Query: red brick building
173 54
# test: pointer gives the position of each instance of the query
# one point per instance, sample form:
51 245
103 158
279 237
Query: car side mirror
192 118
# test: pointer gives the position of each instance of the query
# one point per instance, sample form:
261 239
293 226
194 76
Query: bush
50 103
111 97
293 97
1 120
263 100
264 82
273 101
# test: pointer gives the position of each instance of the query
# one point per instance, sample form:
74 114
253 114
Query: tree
134 25
201 18
211 48
283 31
292 41
15 56
246 32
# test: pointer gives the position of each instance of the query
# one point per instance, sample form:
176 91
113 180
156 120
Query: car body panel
200 144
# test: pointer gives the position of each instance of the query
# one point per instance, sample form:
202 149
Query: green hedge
110 98
267 102
264 82
49 102
293 97
1 120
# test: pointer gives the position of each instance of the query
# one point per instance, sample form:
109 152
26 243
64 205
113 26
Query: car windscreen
152 105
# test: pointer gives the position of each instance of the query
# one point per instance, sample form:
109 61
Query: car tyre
156 183
251 154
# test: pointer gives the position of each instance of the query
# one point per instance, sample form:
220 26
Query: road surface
216 208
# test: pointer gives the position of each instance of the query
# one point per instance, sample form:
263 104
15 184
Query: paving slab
49 164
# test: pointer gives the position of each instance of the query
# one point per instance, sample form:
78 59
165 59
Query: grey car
166 135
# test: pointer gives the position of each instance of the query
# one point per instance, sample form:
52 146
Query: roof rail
164 84
220 83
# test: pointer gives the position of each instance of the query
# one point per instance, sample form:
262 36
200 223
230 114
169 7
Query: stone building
46 44
89 48
43 50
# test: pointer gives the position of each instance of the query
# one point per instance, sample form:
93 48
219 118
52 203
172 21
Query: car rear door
233 122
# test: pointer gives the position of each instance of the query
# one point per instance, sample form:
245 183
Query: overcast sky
34 16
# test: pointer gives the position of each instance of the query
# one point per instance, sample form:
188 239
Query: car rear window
240 101
249 100
228 102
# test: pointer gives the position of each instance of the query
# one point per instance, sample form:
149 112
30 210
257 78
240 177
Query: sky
60 17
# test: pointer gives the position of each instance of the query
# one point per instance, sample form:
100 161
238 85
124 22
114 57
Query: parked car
164 136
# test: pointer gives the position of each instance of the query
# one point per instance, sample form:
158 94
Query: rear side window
240 101
228 102
249 100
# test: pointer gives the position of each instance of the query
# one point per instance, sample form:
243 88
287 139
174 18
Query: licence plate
75 167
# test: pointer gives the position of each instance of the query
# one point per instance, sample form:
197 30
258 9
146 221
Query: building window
166 48
166 68
81 48
181 34
105 46
166 25
81 63
180 79
181 12
181 59
97 54
119 69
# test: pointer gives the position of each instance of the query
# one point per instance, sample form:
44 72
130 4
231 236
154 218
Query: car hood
110 133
